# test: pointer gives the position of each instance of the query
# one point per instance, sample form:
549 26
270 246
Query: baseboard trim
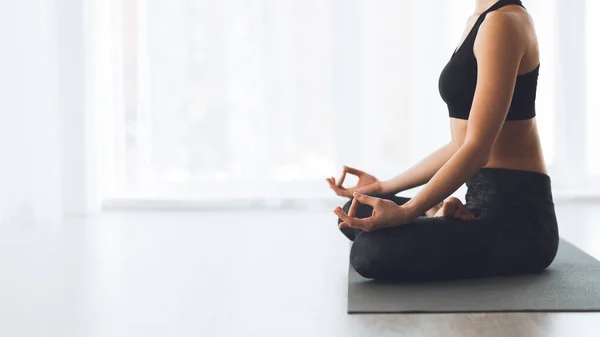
155 204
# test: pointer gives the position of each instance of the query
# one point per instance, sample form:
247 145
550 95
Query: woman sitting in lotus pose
508 225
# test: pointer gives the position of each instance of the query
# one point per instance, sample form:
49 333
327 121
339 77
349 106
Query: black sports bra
459 78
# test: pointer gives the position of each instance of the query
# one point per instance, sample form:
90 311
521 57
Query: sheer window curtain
262 99
233 99
29 130
46 138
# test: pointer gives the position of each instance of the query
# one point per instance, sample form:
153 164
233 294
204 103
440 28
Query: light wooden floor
262 273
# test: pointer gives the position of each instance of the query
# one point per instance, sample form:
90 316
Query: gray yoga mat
570 284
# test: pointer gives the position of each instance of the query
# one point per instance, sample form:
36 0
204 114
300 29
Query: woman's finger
353 207
343 225
340 181
342 215
365 199
332 185
352 222
350 170
330 182
340 191
354 171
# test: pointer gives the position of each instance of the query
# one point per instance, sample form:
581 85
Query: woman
508 225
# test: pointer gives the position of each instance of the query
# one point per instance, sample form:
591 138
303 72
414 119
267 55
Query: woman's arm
415 176
420 173
498 54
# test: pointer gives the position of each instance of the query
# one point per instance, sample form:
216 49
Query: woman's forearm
421 173
458 169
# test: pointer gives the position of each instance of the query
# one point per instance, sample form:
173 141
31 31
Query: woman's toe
448 209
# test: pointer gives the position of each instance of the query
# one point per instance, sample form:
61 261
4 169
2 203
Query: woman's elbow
479 155
483 160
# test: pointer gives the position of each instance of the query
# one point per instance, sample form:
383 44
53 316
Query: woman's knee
368 258
362 210
388 255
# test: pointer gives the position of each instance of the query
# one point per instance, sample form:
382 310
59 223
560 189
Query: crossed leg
450 208
430 247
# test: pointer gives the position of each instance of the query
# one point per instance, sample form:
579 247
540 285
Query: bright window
265 98
593 87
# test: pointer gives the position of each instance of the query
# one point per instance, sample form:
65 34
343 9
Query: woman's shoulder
514 18
506 29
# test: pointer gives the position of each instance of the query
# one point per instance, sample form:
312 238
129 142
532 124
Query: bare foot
433 211
453 207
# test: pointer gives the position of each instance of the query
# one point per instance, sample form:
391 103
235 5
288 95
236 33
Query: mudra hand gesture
367 183
385 214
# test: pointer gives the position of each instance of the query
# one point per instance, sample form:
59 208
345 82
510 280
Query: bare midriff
517 146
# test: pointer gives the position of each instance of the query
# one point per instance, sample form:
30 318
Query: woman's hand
385 214
366 183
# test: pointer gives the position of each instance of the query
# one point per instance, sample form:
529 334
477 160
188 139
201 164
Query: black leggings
515 232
